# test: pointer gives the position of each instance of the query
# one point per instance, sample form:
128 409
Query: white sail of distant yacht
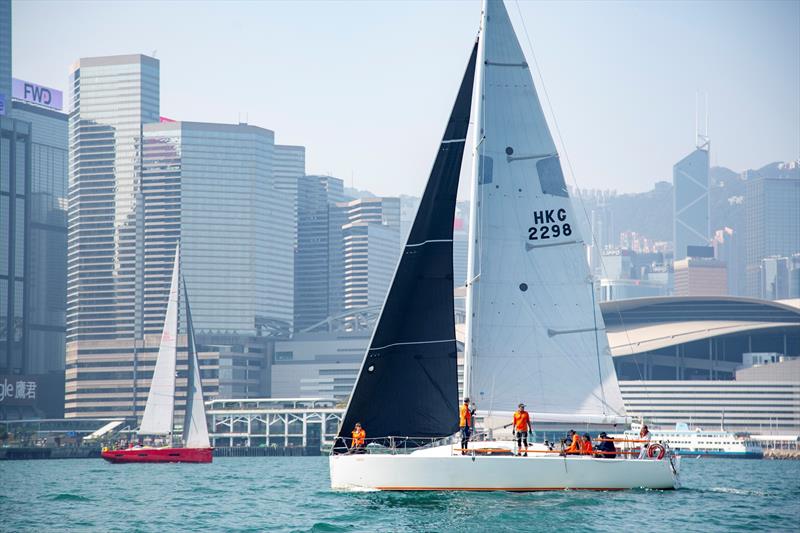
531 320
160 407
534 333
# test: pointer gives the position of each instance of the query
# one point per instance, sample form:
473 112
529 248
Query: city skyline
752 86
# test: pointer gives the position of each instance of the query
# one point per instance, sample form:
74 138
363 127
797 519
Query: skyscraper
318 258
111 97
690 200
213 186
772 219
371 248
5 54
729 247
775 278
33 176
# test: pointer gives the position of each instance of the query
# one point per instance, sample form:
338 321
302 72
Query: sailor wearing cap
522 424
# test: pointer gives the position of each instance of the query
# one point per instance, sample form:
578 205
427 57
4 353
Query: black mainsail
408 384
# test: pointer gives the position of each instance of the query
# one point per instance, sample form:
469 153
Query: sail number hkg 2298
549 224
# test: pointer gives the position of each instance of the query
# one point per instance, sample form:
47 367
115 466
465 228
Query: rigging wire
577 190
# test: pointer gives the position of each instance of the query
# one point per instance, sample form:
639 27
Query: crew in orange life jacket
586 445
522 424
575 446
465 424
359 436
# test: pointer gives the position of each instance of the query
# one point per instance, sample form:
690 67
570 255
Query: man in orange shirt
586 445
465 424
522 424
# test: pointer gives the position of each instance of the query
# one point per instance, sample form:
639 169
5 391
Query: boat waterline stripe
426 242
408 343
448 141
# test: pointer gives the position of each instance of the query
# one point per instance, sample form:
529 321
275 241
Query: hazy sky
367 86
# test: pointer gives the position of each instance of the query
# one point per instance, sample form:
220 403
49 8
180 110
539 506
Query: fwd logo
37 93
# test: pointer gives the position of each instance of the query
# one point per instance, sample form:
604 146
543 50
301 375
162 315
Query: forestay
158 412
195 428
534 331
408 381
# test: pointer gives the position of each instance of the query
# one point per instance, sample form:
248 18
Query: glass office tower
691 205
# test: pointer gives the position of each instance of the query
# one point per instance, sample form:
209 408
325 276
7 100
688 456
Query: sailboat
158 415
534 333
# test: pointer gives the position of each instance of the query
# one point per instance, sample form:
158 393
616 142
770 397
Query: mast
473 247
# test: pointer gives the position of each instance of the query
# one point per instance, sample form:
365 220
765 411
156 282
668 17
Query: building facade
319 252
696 276
772 225
371 248
691 202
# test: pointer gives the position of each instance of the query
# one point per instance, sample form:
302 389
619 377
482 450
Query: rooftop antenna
702 141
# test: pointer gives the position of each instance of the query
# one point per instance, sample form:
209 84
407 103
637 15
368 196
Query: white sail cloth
534 332
195 428
158 412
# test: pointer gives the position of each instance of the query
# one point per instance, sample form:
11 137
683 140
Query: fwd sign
36 94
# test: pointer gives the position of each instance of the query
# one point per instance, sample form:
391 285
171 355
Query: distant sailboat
159 411
534 333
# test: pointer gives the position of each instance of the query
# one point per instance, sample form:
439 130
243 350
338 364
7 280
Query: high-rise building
289 165
728 247
5 55
701 276
371 248
602 236
794 276
691 201
32 242
212 186
772 225
318 258
775 278
111 98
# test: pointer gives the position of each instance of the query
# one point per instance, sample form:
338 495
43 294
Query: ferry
699 442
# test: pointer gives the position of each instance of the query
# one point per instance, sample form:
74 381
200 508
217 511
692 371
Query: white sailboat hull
417 472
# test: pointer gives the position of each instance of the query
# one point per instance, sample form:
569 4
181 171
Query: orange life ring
656 451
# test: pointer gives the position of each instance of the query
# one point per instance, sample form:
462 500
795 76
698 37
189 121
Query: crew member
575 446
359 437
644 438
605 447
586 445
522 424
465 424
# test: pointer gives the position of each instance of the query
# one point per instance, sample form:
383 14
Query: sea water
293 494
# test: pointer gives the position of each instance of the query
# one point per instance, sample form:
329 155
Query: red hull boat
158 455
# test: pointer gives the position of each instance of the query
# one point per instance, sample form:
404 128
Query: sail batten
159 409
408 384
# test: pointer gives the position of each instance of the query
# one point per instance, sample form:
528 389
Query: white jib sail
158 412
195 428
534 332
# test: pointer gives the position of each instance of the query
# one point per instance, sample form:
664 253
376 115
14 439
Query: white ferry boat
699 442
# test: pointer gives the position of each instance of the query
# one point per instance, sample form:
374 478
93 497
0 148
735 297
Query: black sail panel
408 384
